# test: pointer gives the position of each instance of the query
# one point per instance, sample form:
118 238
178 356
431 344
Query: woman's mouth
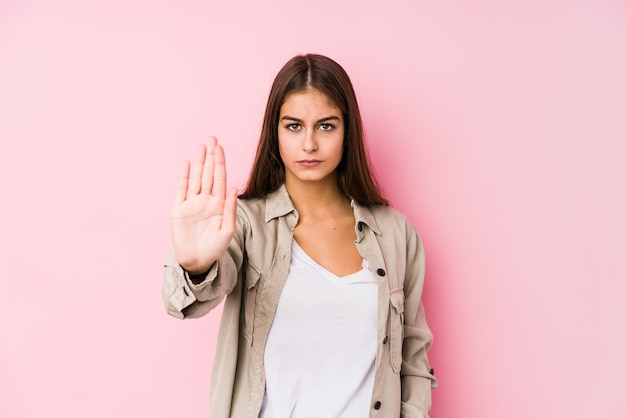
309 163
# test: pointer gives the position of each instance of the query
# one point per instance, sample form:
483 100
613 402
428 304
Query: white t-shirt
321 349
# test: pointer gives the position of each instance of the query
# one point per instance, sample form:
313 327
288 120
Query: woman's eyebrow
326 119
291 118
329 118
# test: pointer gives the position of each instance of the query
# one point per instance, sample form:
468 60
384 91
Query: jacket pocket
396 318
252 286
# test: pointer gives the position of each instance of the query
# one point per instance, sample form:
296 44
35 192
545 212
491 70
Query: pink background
499 128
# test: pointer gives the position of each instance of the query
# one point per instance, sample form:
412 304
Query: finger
219 174
196 171
181 191
209 164
230 211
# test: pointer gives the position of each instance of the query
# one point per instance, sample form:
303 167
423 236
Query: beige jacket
252 274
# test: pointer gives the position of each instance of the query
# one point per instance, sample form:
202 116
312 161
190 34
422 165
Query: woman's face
310 137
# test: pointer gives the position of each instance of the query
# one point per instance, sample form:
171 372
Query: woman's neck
318 198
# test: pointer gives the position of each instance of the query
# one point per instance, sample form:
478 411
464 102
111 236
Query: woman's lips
309 163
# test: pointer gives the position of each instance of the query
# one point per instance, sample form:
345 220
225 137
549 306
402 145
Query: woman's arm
192 297
416 374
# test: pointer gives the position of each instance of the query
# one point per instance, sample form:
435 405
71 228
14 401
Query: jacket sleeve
186 299
416 375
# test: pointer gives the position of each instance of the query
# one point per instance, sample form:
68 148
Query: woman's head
314 72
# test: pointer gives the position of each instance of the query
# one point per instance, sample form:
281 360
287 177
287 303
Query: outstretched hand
204 214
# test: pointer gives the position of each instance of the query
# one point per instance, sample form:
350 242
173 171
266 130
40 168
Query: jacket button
380 272
377 405
385 340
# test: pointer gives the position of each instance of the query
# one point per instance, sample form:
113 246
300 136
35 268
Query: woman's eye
293 126
326 127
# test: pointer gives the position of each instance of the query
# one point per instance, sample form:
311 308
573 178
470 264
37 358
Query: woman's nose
309 143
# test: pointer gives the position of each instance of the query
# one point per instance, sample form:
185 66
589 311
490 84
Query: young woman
322 279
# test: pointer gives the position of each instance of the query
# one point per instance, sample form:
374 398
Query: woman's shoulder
271 206
250 204
251 208
388 214
390 219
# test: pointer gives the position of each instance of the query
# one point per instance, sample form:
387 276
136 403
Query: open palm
203 214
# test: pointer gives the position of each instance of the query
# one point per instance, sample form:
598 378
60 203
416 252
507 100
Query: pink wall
500 129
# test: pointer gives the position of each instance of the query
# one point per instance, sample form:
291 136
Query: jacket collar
363 214
278 204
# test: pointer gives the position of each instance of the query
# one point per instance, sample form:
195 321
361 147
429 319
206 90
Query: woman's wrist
196 278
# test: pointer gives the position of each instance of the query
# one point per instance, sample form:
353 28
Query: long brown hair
325 75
